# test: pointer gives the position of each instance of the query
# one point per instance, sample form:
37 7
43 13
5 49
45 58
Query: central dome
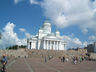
47 27
46 23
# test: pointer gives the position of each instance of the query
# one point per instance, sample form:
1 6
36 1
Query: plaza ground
53 65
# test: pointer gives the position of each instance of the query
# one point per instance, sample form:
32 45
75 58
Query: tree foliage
15 47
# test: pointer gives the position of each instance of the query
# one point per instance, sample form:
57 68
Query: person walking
4 61
63 58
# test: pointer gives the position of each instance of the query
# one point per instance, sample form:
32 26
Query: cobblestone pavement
54 65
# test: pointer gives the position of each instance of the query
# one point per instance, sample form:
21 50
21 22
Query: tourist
80 59
75 60
50 57
4 61
63 59
66 59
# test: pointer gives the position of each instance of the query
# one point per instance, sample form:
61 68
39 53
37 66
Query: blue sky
68 17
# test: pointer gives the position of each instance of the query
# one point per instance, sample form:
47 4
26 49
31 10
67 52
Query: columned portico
48 44
52 45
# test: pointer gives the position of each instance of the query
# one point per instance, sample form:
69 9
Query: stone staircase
14 53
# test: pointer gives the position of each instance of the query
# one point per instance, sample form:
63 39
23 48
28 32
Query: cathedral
46 40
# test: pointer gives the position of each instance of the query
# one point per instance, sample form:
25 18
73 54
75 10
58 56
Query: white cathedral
46 40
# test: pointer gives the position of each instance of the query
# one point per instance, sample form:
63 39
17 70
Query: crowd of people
76 59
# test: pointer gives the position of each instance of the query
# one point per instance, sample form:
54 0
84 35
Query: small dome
46 21
40 30
57 31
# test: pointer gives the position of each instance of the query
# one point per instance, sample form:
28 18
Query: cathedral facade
46 40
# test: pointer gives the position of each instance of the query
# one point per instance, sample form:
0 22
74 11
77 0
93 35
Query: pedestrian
4 61
75 60
63 59
80 59
66 59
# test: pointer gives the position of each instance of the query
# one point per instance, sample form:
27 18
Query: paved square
54 65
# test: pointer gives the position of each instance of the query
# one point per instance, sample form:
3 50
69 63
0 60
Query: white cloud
92 38
85 44
22 30
73 42
85 30
22 42
65 13
28 35
9 37
33 2
17 1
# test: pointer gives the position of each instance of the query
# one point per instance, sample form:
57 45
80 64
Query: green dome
46 21
57 30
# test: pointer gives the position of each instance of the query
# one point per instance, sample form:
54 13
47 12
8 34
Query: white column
44 45
58 45
31 45
50 45
38 44
54 46
64 46
47 44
